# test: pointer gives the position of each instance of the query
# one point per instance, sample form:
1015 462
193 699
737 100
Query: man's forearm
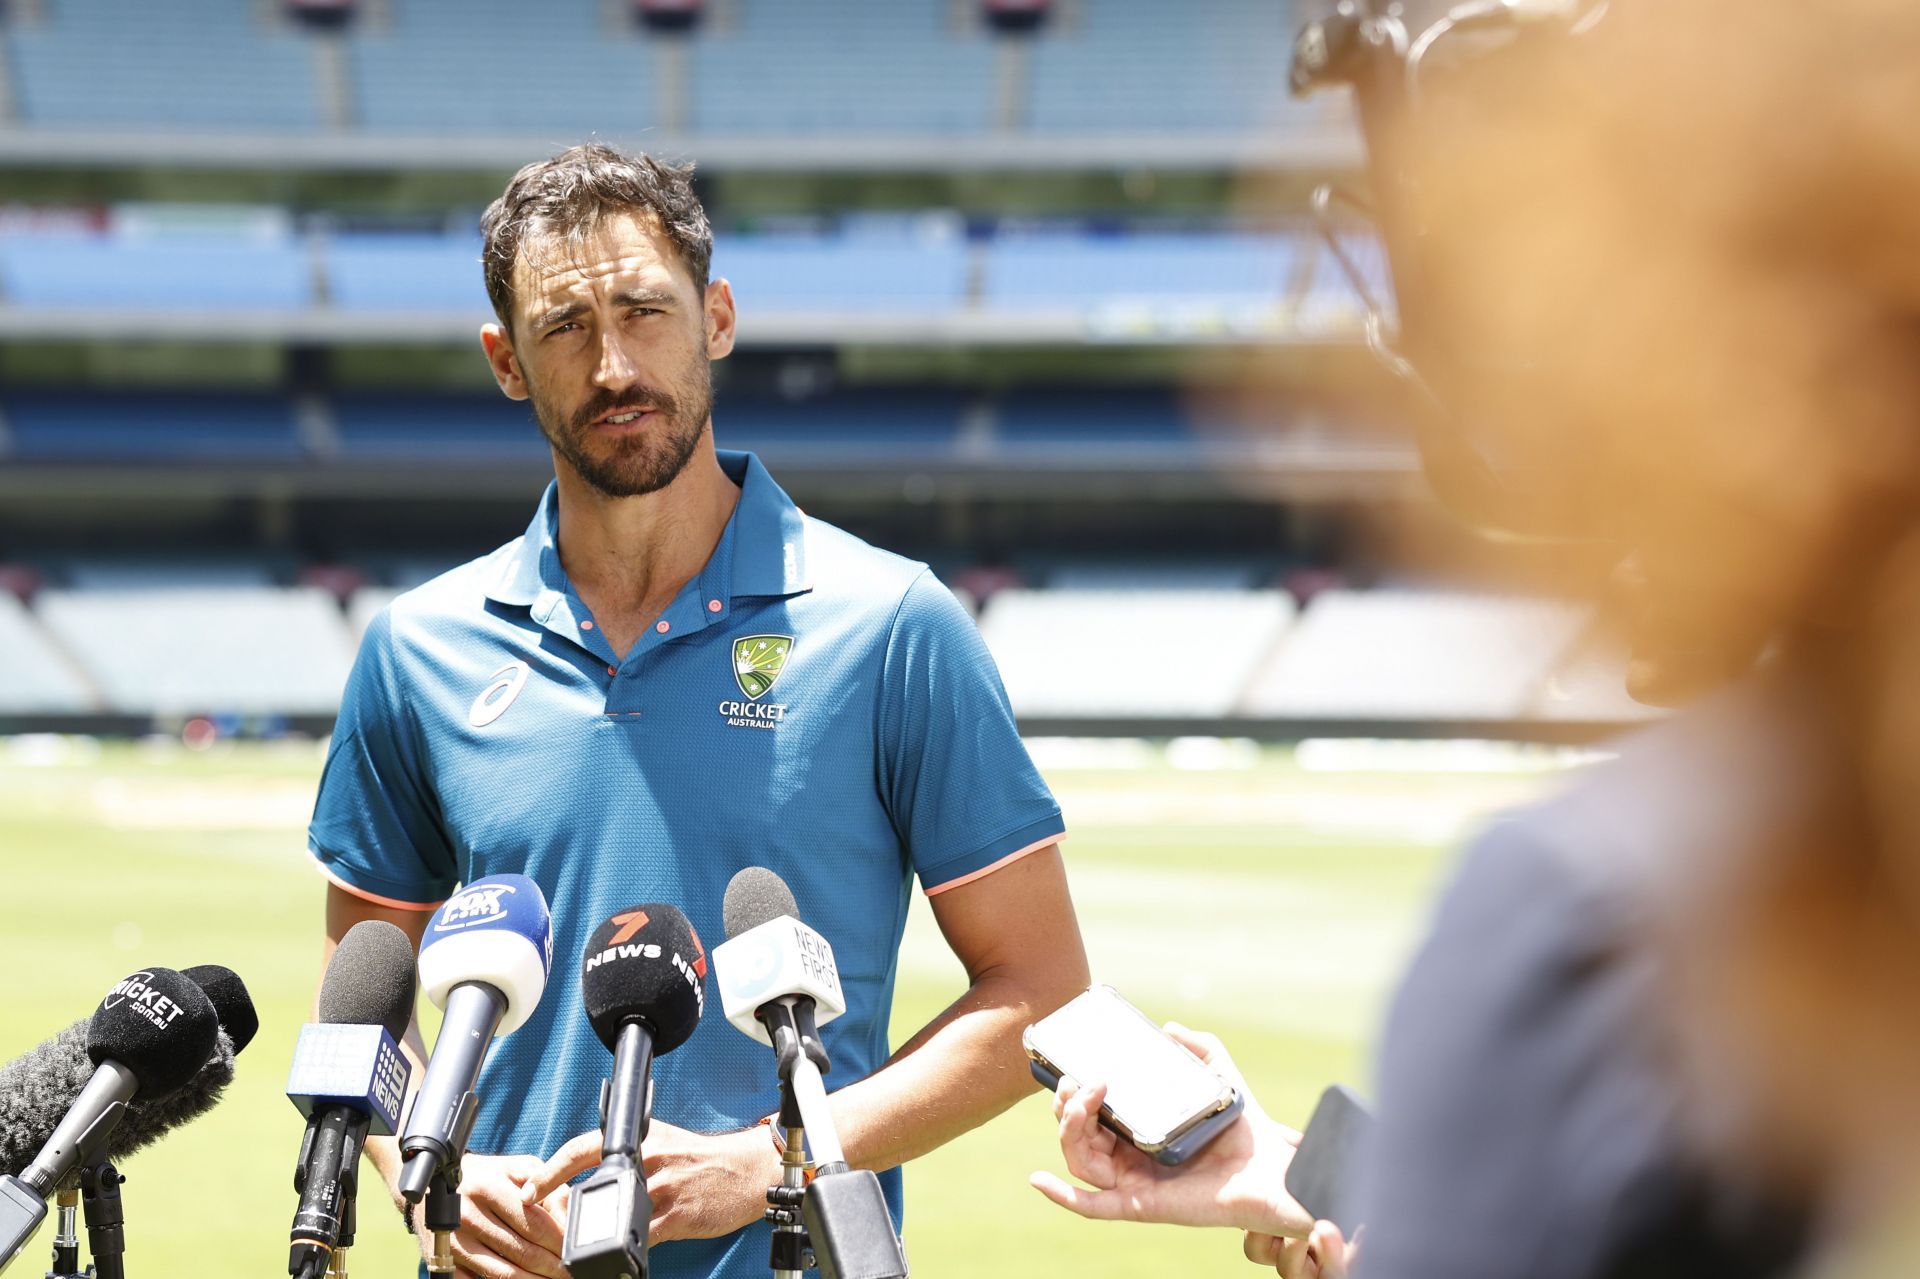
961 1069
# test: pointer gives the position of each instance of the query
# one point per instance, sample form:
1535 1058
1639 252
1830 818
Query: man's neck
628 557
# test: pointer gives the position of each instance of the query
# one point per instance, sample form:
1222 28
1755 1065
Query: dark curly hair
573 193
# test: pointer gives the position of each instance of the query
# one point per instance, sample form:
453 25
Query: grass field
1252 896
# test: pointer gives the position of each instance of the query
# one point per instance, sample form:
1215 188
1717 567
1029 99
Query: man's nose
616 367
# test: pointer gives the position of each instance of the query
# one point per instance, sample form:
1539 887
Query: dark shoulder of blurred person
1547 1110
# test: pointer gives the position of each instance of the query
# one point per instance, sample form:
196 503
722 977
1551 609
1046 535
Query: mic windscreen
231 1003
754 896
146 1121
157 1024
494 932
645 964
369 980
36 1091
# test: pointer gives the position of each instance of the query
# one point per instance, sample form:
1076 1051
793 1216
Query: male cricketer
672 675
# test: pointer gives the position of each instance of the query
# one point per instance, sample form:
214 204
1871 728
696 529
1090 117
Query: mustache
604 401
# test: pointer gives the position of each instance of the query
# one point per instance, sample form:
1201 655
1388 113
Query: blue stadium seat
1093 416
855 67
562 72
125 426
60 270
213 63
1071 268
878 422
406 273
836 273
449 429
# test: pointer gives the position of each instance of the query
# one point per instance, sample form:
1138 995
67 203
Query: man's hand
503 1234
1324 1254
1238 1180
702 1185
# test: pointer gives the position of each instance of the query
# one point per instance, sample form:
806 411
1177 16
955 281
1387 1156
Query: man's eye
558 329
645 310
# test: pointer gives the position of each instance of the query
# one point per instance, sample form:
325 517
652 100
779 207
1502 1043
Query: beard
629 465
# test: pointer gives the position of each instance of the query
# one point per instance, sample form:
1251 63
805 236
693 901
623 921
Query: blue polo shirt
807 703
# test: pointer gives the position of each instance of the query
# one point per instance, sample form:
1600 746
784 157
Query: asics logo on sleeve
498 694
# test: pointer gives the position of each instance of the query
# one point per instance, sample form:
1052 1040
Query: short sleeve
956 778
376 829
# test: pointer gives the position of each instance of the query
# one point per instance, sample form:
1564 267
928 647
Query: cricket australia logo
758 661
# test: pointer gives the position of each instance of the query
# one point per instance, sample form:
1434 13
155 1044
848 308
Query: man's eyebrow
558 315
643 297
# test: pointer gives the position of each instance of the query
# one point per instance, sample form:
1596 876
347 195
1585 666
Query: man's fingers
470 1258
1262 1250
1085 1143
572 1159
1297 1261
1099 1205
1329 1248
513 1231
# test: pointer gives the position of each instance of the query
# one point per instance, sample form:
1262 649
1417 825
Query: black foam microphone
151 1035
40 1086
644 983
348 1076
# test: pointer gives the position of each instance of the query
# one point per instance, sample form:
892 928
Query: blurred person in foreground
675 674
1663 1025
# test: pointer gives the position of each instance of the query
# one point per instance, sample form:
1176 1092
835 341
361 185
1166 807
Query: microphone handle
334 1134
810 1094
443 1106
84 1128
625 1123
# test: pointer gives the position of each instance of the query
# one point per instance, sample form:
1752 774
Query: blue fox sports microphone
150 1036
484 960
644 983
348 1078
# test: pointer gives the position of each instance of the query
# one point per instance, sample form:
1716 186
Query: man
672 675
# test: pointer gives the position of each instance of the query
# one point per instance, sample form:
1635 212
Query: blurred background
1033 290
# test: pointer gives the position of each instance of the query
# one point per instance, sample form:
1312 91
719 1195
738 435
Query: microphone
484 961
644 983
38 1087
348 1078
151 1035
778 982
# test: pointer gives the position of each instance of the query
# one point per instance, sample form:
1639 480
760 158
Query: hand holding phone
1235 1180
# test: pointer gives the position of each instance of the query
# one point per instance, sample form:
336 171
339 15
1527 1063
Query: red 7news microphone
644 983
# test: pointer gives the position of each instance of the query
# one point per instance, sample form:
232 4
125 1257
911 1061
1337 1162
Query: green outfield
1235 890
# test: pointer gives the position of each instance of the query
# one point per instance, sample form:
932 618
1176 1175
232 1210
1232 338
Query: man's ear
719 320
504 363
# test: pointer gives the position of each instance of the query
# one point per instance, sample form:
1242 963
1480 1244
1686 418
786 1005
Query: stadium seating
396 272
1414 655
1131 653
562 73
844 272
878 423
97 426
450 429
1066 268
166 273
213 63
863 67
35 679
241 651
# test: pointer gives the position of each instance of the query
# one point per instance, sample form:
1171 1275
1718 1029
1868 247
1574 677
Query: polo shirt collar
765 541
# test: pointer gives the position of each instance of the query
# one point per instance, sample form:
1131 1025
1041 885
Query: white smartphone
1160 1097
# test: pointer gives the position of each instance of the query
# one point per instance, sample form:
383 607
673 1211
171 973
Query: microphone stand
443 1217
349 1215
106 1219
795 1039
66 1237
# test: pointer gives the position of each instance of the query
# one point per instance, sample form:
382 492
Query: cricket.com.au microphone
152 1034
484 960
643 981
778 982
348 1079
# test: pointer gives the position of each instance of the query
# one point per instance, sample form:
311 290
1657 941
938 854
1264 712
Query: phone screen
1153 1084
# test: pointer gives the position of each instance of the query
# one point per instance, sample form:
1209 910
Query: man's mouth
623 417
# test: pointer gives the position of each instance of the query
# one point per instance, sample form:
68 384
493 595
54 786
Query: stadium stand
881 423
476 66
1407 655
166 273
35 679
1088 270
449 429
104 426
227 651
368 271
215 63
1131 652
867 67
845 272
